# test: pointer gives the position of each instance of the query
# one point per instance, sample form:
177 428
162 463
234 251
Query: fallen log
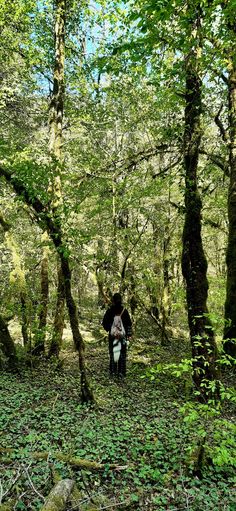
66 458
6 507
59 495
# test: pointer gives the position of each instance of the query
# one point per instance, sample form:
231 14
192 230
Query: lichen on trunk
194 264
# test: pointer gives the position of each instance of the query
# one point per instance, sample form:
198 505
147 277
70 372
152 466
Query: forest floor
171 454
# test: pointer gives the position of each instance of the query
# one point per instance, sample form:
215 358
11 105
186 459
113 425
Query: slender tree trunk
86 391
165 302
55 148
58 326
230 304
19 278
56 107
7 345
25 319
41 333
194 264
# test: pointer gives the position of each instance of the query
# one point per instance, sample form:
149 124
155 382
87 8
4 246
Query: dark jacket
111 313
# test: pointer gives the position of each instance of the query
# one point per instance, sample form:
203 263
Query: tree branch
131 250
217 160
43 216
221 127
77 463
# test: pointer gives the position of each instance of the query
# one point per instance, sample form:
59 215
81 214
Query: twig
116 504
32 484
12 483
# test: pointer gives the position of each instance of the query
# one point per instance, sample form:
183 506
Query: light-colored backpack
117 327
118 333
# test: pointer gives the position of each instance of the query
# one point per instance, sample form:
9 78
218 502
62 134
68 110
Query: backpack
117 327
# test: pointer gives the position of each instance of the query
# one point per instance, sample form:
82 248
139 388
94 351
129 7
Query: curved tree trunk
45 219
55 148
194 264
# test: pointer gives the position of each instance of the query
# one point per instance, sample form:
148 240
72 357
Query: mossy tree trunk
50 218
194 264
41 333
7 344
53 227
25 319
18 277
55 148
58 326
86 391
230 304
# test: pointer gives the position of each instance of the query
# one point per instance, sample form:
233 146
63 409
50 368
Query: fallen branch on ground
59 495
66 458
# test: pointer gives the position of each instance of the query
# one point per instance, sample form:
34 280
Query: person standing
118 324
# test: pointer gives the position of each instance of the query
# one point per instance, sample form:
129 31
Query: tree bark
7 345
58 326
25 319
19 277
41 333
230 304
55 148
86 391
56 107
194 264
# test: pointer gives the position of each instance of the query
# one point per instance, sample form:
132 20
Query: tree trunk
194 264
57 101
55 148
45 219
18 276
7 345
24 319
165 302
58 326
41 333
230 304
51 220
86 391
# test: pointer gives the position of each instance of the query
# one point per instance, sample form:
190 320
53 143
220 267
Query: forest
117 176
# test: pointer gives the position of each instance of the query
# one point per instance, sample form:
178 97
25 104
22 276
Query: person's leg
122 361
111 364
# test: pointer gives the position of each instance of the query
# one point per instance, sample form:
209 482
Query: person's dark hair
117 299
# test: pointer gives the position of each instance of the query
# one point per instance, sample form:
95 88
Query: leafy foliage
137 425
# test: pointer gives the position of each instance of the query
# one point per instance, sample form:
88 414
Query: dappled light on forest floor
143 450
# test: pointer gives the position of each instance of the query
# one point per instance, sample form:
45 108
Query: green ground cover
137 425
